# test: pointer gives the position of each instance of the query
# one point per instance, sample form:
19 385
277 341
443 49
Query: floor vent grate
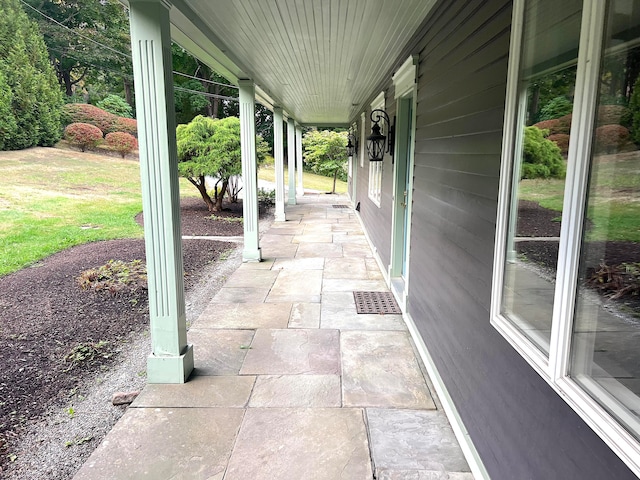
341 206
381 303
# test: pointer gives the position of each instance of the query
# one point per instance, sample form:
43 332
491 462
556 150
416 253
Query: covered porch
290 382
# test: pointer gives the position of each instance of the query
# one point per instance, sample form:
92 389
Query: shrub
612 114
105 121
127 125
83 135
556 108
116 105
556 126
611 137
541 157
634 108
561 140
121 142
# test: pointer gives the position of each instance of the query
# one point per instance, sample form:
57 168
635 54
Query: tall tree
84 35
30 99
326 153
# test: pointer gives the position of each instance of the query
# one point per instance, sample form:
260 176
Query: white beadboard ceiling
320 60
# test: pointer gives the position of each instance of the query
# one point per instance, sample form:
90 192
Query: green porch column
291 159
299 158
278 152
171 359
251 252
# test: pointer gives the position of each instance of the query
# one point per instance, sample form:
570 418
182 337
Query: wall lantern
377 143
352 143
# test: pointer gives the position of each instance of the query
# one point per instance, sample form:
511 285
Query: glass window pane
605 357
546 88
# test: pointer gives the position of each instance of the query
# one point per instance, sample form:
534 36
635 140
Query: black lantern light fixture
352 143
377 143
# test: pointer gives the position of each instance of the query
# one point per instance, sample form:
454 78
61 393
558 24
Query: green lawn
52 199
311 180
614 204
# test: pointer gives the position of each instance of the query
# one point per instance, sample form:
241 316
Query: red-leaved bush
83 135
611 137
121 142
556 126
562 140
612 114
105 121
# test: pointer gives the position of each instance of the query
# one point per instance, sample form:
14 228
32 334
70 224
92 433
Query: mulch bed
45 316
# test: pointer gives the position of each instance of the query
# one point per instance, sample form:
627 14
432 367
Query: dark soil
45 317
536 221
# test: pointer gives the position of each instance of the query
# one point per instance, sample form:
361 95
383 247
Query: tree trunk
200 184
335 177
128 92
66 78
215 102
223 190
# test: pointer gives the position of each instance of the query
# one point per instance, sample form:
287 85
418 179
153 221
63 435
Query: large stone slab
310 444
384 474
278 250
305 315
241 295
296 391
296 286
309 263
251 278
225 391
327 250
338 311
313 238
351 284
345 268
245 315
219 352
288 352
379 369
156 443
355 250
418 441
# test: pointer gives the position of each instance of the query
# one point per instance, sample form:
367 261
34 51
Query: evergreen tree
28 81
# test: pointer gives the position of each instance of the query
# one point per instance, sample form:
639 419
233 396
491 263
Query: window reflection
547 82
606 333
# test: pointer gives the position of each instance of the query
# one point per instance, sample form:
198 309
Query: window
566 284
375 168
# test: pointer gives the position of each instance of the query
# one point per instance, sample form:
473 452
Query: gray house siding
519 425
378 219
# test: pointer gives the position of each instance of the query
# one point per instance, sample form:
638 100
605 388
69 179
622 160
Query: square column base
253 255
170 369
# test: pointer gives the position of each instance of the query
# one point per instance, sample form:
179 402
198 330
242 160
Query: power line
127 55
204 80
206 94
77 33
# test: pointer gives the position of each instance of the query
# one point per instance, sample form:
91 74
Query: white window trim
376 168
363 138
555 369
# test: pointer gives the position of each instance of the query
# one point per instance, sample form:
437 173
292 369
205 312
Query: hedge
105 121
83 135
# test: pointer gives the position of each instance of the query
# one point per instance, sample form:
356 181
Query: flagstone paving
290 382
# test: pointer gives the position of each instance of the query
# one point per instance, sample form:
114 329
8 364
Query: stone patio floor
290 382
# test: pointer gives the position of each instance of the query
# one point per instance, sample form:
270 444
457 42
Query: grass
614 200
311 180
52 199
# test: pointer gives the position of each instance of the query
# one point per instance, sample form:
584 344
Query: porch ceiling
320 60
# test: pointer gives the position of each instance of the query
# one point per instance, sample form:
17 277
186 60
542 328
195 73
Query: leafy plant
556 108
30 99
611 137
83 135
211 147
541 157
85 353
266 198
117 105
114 277
121 142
